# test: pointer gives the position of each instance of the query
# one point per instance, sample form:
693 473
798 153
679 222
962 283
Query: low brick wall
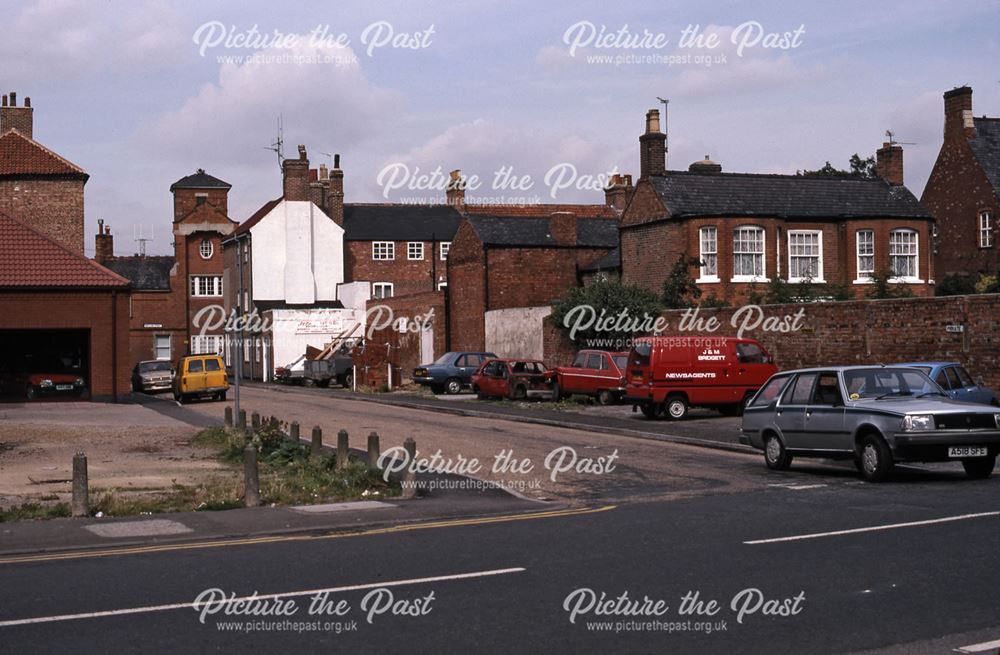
401 348
859 332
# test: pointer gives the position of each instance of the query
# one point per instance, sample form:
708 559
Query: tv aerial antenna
278 146
139 236
666 141
889 134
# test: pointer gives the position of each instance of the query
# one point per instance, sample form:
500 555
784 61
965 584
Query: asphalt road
503 587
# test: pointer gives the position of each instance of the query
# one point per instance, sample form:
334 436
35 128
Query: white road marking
290 594
874 528
979 648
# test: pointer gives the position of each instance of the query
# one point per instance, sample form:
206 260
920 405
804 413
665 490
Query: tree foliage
608 298
679 289
861 168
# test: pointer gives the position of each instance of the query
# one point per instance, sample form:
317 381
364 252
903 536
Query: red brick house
524 260
749 228
60 310
36 184
177 302
963 191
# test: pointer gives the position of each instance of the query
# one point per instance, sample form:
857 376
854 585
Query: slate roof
145 273
374 222
525 231
30 259
609 262
541 210
688 194
20 155
200 180
986 146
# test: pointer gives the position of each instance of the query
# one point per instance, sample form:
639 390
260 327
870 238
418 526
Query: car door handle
808 414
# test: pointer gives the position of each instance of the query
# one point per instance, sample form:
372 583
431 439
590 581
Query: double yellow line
250 541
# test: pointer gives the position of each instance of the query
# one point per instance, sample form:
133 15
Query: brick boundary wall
404 350
859 332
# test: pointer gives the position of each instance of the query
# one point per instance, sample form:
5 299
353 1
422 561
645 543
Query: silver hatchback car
875 415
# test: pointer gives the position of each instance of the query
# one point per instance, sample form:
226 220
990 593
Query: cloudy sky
141 94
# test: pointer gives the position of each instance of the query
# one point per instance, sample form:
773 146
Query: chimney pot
13 99
302 152
4 101
652 147
27 101
336 161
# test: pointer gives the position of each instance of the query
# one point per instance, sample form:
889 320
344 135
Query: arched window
206 249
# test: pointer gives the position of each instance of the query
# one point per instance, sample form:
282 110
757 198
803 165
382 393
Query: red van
593 373
666 375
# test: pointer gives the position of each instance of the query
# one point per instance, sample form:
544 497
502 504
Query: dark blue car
451 372
956 381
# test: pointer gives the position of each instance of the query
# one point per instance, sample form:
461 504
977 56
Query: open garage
63 321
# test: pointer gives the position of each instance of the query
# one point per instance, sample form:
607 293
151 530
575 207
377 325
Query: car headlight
918 422
46 383
79 382
996 419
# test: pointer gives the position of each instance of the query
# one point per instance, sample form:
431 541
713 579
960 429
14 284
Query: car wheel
222 396
183 399
776 456
677 408
519 393
876 459
605 397
453 386
651 410
30 392
980 467
556 392
349 381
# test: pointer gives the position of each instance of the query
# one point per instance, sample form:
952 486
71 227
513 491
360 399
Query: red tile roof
29 260
258 215
583 211
20 155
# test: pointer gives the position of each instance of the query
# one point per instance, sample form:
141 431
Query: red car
593 373
517 379
36 385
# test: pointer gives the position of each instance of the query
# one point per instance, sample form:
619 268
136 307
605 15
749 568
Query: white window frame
742 277
214 282
256 349
985 229
246 350
206 344
156 347
383 251
202 248
442 285
907 279
790 237
443 249
382 285
703 276
864 276
415 251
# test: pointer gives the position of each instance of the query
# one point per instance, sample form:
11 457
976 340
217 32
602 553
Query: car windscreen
880 383
153 367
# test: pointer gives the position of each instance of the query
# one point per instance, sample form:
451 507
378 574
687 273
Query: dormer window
206 249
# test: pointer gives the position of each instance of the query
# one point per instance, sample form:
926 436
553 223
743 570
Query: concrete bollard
293 431
409 477
343 452
243 420
81 490
251 481
255 421
317 442
229 417
373 449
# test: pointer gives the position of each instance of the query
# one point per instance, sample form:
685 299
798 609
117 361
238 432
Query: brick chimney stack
335 194
652 147
889 160
958 113
455 191
17 118
104 243
562 227
618 192
295 177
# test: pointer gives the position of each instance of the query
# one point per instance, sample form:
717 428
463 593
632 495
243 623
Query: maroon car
593 373
517 379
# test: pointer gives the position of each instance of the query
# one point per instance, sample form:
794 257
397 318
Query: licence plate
967 451
64 387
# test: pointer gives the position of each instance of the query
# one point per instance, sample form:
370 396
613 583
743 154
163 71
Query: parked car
874 415
451 372
199 376
152 376
593 373
667 375
36 377
956 381
517 379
